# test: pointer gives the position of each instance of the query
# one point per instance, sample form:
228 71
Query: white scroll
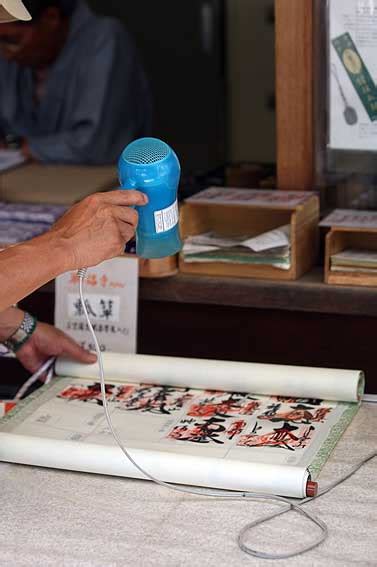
227 425
267 379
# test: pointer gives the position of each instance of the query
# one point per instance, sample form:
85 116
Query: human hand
48 341
97 228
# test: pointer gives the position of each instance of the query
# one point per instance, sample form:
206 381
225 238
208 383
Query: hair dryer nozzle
146 151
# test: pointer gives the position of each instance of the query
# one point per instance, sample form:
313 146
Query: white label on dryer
166 218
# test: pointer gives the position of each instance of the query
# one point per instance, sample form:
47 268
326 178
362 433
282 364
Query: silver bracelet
22 334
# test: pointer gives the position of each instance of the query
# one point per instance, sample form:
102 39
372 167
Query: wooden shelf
309 294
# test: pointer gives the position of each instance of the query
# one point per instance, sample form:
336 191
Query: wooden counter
55 184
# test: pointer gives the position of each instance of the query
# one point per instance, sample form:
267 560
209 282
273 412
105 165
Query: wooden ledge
308 294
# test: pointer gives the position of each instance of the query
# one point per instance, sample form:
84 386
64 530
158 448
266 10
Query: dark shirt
94 100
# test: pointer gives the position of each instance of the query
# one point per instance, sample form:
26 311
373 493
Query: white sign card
353 74
111 295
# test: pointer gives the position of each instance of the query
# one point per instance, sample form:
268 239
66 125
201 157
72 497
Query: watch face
352 61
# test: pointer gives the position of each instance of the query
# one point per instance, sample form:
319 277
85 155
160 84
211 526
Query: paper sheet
353 257
10 159
352 218
272 239
276 238
14 232
266 198
206 438
31 212
271 248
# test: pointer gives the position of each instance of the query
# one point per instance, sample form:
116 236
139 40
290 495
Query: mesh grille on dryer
146 150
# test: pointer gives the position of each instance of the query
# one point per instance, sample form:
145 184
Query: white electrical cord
48 367
290 506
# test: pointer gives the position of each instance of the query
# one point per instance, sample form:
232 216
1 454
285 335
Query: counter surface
55 184
54 518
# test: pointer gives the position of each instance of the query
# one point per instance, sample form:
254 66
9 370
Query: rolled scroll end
311 489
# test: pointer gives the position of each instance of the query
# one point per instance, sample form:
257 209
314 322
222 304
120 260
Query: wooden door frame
294 93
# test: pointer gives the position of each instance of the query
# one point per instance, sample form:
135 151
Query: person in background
73 90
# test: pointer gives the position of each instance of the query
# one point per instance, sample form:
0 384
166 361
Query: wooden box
341 238
348 228
236 212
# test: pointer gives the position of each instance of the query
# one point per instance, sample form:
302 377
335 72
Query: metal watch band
22 334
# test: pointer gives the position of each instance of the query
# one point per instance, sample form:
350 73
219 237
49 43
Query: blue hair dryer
151 166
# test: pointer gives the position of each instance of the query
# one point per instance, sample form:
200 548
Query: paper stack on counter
271 248
10 159
354 260
23 221
14 232
31 212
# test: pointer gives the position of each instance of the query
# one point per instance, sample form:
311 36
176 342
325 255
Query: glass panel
346 102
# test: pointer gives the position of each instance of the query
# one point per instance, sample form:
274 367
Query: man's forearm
92 231
27 266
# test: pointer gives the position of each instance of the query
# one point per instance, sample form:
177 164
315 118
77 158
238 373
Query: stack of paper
20 222
31 212
354 260
10 159
14 232
271 248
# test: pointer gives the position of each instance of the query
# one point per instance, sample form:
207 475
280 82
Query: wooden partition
294 93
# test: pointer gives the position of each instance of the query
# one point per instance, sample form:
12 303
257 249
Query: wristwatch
22 334
12 141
